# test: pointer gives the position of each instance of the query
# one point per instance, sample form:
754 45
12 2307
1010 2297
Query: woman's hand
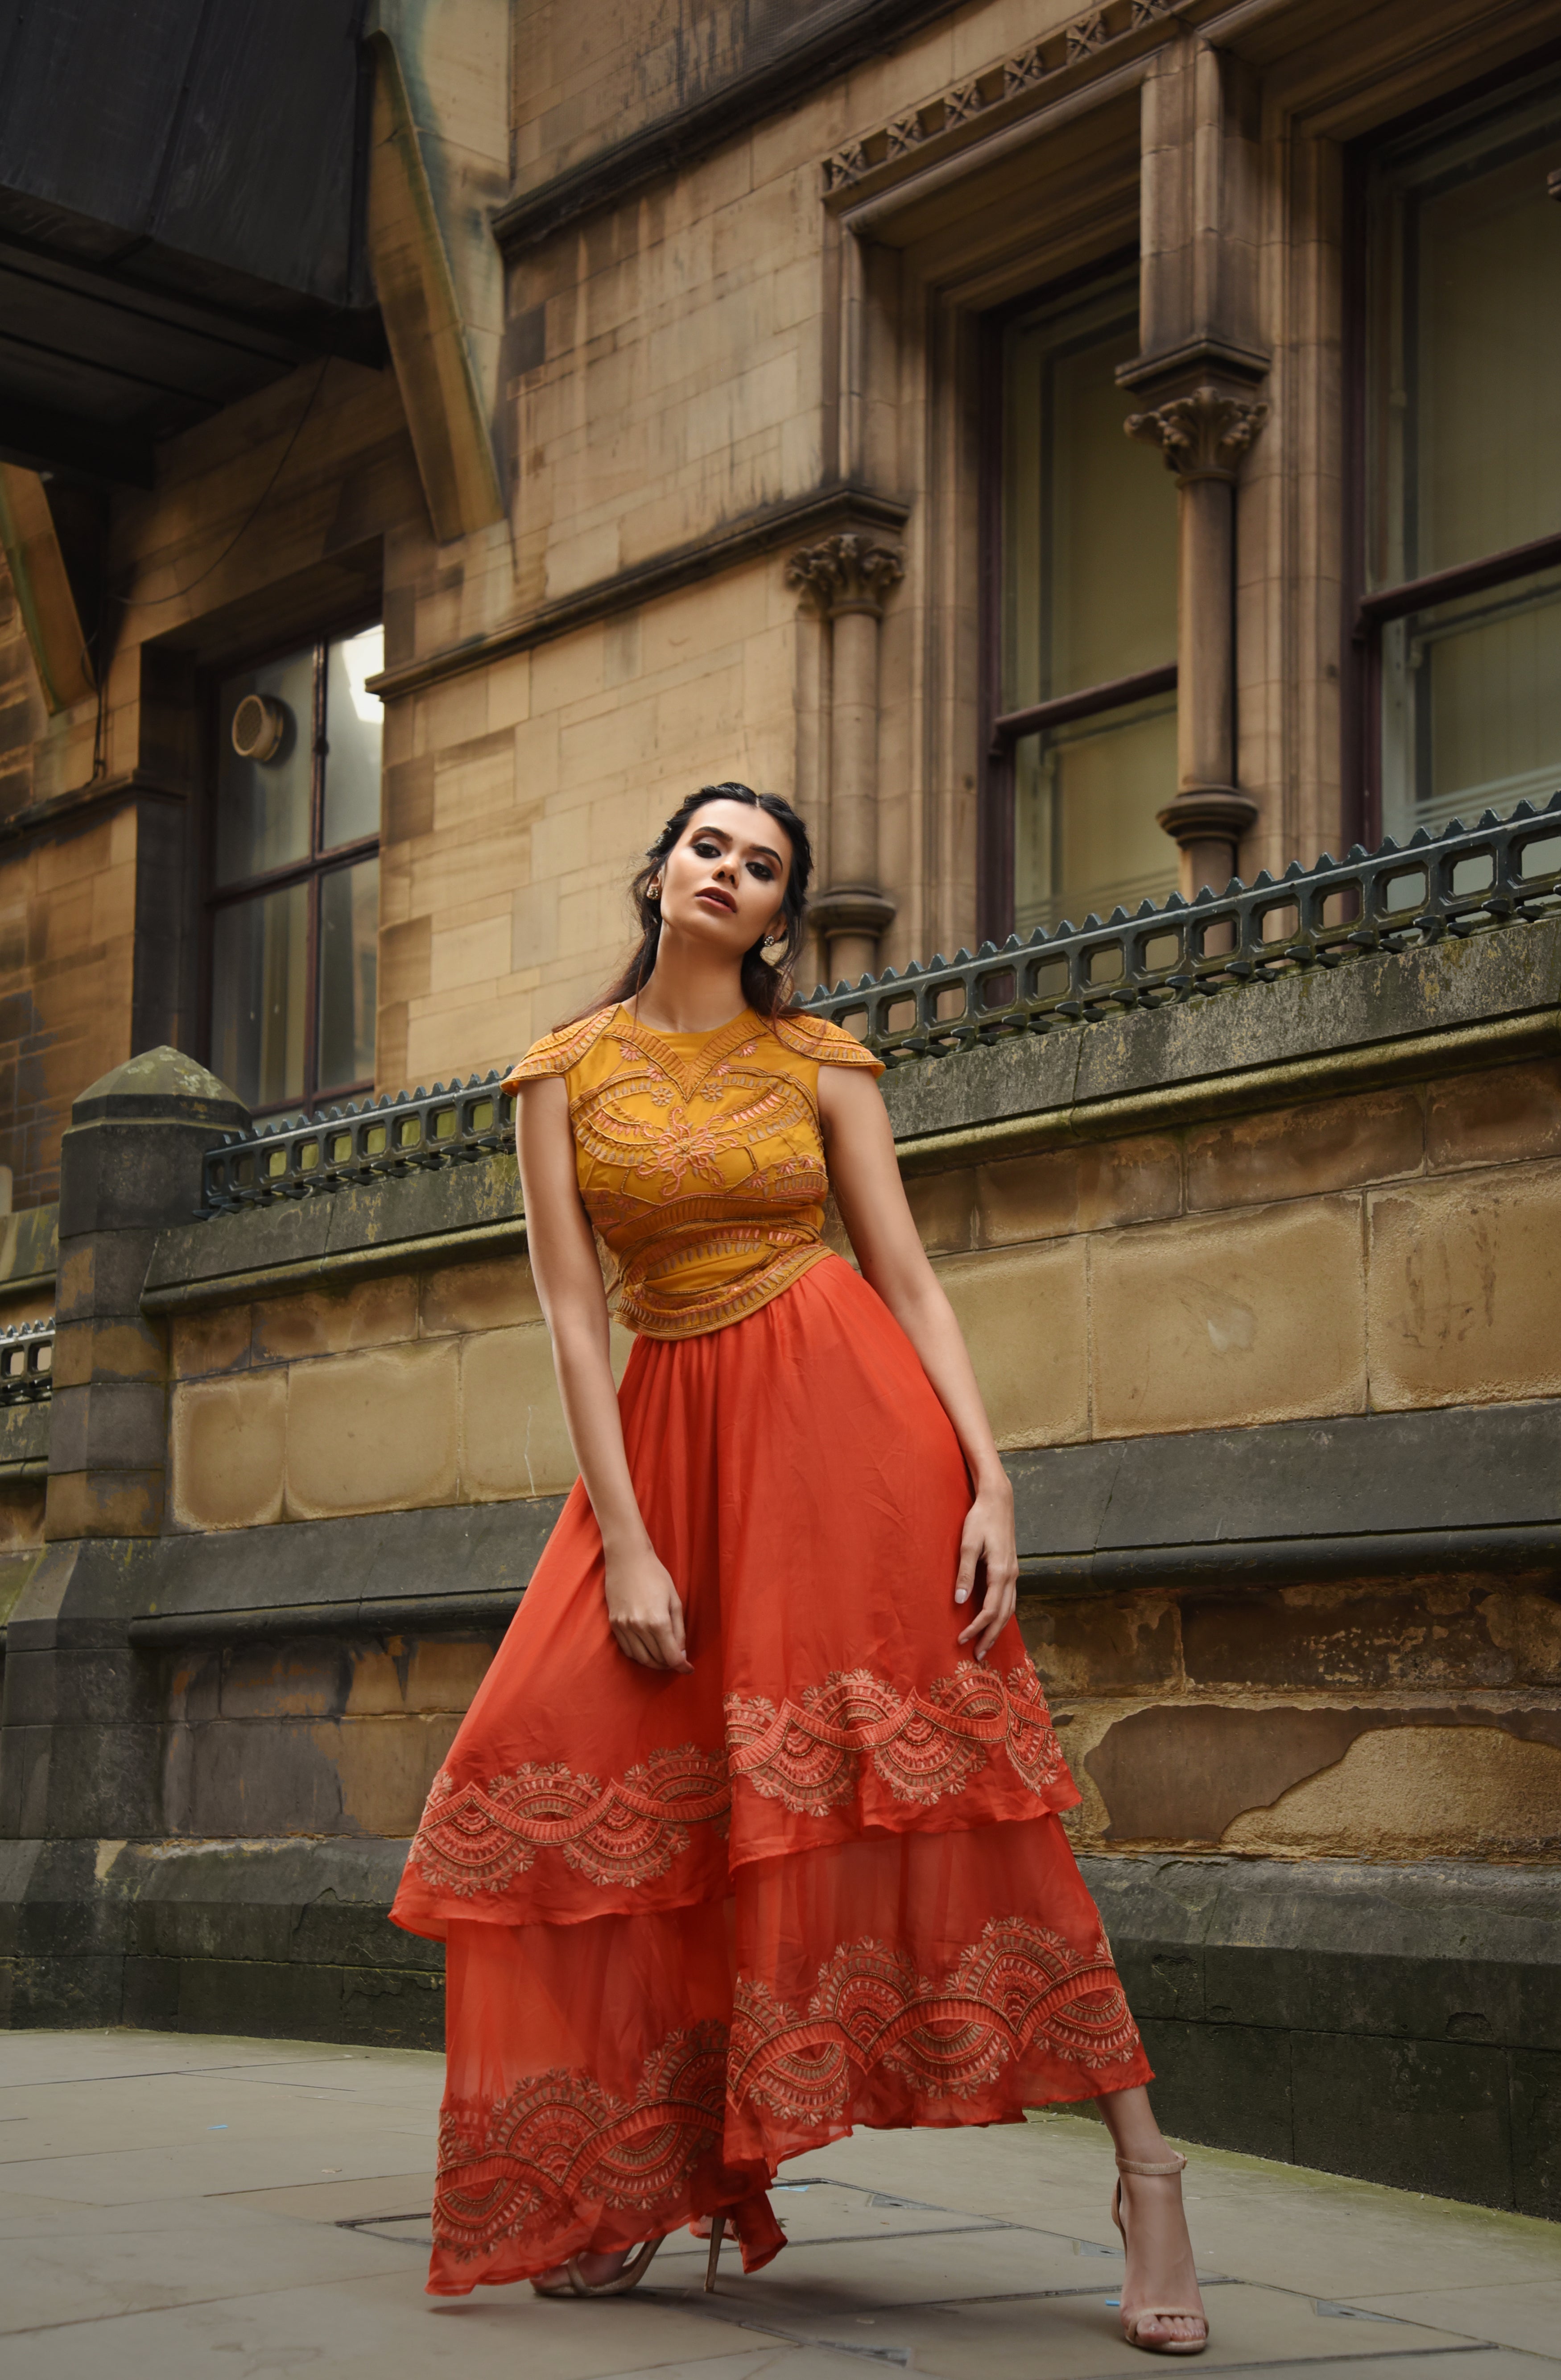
642 1607
644 1611
987 1538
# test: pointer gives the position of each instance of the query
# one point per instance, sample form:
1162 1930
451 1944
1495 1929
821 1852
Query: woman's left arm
865 1175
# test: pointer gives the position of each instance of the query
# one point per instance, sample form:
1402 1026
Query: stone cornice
64 811
1011 88
816 514
672 141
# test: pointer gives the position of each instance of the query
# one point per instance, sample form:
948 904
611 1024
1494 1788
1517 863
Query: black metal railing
1465 880
27 1358
399 1133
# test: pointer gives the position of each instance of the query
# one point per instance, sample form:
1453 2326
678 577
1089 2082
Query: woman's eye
766 875
708 850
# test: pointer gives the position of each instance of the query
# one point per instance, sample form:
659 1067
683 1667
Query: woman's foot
1160 2268
1160 2271
593 2271
609 2275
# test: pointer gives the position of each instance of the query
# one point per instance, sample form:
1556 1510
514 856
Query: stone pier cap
161 1082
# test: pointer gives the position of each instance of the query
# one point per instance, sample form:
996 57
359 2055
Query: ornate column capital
847 572
1203 435
1208 814
850 909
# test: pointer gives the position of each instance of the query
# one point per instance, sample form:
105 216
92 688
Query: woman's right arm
643 1610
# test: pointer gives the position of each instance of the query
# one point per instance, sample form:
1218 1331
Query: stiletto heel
717 2233
1134 2316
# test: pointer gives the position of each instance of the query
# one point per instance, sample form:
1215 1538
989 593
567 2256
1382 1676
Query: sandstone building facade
1080 456
754 405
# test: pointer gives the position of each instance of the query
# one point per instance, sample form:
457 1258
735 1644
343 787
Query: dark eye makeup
709 850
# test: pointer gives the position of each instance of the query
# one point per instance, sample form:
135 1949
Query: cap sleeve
556 1052
828 1045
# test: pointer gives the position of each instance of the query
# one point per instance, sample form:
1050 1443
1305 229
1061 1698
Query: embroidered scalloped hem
610 2083
854 1755
706 1874
477 2201
500 2216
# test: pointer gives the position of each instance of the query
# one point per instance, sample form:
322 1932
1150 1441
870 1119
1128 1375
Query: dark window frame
1367 610
1000 730
310 870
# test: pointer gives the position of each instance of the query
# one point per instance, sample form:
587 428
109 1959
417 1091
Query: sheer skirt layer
698 1926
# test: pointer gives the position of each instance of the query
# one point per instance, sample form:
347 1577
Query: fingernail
961 1595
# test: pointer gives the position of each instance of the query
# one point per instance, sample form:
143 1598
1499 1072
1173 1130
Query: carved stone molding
980 103
850 909
1208 814
1203 436
847 572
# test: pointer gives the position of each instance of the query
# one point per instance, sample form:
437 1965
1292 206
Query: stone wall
104 804
1265 1298
748 261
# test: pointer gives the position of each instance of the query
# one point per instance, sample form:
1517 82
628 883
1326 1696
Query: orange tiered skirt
698 1925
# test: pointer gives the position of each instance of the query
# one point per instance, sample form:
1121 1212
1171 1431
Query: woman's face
723 882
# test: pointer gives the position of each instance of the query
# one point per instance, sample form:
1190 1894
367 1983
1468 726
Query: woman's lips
718 899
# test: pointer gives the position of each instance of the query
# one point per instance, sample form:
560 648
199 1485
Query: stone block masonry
1263 1293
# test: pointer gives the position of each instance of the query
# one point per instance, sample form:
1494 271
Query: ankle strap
1135 2165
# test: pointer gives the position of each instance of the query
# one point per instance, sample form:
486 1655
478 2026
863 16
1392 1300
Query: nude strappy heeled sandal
1132 2317
575 2284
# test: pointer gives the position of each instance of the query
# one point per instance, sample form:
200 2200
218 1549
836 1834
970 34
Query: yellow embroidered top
699 1156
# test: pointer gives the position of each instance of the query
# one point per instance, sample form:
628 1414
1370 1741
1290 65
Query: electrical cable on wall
150 602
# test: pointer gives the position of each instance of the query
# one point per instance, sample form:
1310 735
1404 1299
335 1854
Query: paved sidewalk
177 2205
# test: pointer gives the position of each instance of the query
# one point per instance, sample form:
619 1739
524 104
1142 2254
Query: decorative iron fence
1465 880
452 1124
27 1357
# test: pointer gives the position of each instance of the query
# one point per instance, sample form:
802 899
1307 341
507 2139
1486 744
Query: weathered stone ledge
1481 1000
421 1218
24 1438
89 1589
1463 1467
1463 1488
1488 999
1277 1998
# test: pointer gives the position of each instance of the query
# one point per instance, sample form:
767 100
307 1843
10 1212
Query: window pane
349 920
260 996
263 804
1471 706
1466 340
1086 836
1090 514
351 739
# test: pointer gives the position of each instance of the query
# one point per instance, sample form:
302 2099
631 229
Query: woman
750 1834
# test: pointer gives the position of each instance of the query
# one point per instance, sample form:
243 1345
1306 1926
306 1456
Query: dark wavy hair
767 984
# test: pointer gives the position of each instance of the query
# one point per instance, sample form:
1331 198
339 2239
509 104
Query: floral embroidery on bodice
699 1156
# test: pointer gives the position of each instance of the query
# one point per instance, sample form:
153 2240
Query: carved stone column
1203 436
1204 354
849 576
